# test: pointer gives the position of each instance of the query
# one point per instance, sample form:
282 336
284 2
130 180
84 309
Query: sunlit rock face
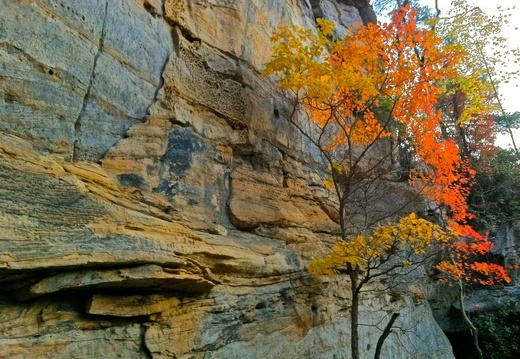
154 203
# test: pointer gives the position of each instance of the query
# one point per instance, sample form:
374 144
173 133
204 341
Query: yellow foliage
325 26
410 233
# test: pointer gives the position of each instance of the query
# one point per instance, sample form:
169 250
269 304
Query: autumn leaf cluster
384 81
410 235
465 266
341 83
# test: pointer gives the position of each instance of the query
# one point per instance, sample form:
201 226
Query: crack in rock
77 124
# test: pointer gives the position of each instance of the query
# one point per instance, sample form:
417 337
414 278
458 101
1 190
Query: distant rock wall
153 204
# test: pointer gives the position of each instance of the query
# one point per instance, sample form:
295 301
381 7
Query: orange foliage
340 82
465 267
404 69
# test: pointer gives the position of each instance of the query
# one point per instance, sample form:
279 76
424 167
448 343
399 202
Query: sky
511 91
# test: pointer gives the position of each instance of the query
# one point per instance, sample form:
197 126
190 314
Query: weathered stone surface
154 203
79 74
344 13
130 306
507 248
241 29
113 342
254 204
341 15
139 278
486 299
281 320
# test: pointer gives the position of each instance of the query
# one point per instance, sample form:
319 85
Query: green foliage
510 120
499 333
496 194
481 34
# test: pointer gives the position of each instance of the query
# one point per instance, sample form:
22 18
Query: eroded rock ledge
153 204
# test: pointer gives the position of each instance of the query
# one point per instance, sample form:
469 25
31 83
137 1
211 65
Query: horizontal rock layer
153 202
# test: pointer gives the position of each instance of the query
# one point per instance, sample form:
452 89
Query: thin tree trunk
472 328
437 9
495 89
354 313
385 334
497 96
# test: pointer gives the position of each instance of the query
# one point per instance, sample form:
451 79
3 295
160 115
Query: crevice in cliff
77 124
144 348
461 343
363 7
365 10
161 82
159 12
187 277
316 9
151 9
184 32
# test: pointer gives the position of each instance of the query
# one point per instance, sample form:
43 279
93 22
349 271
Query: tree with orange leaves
341 85
464 267
368 104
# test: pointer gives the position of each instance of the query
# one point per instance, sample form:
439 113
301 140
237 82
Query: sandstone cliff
153 204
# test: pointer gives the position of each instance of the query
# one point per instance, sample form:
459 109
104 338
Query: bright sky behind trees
510 92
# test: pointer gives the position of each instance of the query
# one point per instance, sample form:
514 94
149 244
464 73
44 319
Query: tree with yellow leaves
390 249
368 104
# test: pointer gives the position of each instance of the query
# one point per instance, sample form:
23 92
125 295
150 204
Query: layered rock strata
154 204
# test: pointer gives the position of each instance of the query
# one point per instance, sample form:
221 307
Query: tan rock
137 140
135 278
115 342
254 204
239 28
130 306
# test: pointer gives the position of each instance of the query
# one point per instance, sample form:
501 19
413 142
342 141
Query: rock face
153 204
